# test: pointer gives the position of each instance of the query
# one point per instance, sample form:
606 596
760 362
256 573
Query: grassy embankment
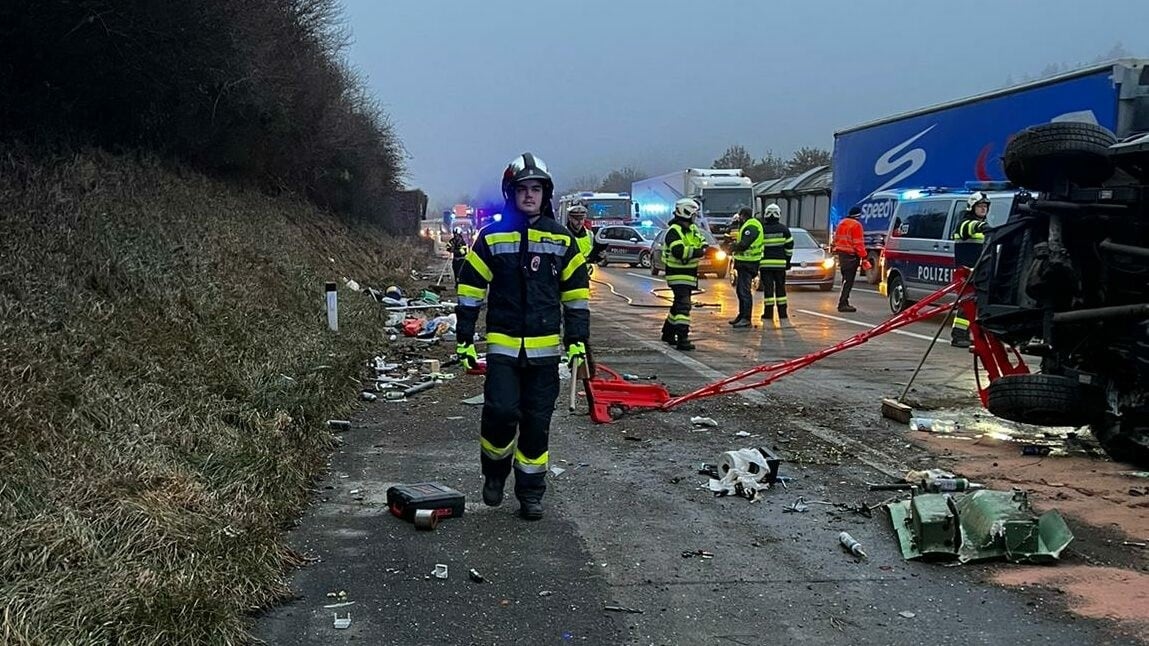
165 376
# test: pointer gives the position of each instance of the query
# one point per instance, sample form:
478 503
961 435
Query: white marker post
332 308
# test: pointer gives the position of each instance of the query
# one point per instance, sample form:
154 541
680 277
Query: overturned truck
1066 280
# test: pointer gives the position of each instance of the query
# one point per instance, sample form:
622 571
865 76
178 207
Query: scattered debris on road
635 611
700 553
978 526
474 575
338 425
744 472
341 623
708 422
851 545
440 571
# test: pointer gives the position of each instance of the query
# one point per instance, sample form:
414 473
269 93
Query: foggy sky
594 85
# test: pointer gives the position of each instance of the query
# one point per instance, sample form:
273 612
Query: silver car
810 265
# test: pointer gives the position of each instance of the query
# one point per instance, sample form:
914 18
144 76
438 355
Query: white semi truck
722 192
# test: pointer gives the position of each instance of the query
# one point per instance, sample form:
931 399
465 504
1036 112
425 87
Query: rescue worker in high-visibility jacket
747 254
682 247
777 252
528 270
457 245
576 224
850 247
971 229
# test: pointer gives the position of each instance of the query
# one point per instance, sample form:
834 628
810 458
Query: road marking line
886 464
631 273
866 325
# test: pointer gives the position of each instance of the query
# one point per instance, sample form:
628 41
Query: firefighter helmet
577 210
686 208
527 166
977 198
772 211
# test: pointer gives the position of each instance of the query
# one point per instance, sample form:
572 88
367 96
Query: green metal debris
978 526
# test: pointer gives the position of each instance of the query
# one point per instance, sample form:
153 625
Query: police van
918 257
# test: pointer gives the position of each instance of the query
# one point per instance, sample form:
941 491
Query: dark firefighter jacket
534 282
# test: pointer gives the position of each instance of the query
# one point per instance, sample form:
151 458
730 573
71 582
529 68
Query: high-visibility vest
753 253
690 238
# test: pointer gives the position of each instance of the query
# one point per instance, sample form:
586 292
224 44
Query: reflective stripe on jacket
778 245
750 242
534 281
848 238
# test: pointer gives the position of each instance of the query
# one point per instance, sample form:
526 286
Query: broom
897 409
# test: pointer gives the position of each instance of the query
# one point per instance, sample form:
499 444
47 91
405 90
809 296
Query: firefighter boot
493 490
768 313
684 343
783 317
668 333
959 338
529 490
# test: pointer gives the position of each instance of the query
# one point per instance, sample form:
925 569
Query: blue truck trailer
949 144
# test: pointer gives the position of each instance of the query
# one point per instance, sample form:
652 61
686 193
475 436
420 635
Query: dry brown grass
165 372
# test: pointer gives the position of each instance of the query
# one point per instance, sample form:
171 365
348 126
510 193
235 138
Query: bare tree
619 180
587 182
734 157
806 158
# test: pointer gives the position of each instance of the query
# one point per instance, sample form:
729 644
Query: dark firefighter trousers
679 316
773 292
518 399
456 266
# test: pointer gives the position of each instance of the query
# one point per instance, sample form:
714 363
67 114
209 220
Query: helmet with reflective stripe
772 211
527 166
686 208
977 198
577 210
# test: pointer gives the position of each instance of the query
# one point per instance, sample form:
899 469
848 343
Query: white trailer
722 192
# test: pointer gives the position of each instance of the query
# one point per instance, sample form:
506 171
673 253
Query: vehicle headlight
828 263
720 255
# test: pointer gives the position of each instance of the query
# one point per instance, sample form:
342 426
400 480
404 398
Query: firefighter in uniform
778 250
457 245
681 249
970 230
747 253
528 270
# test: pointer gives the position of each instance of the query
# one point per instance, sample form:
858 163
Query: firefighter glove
467 355
576 352
866 264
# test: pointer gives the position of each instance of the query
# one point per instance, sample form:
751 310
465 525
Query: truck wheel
644 259
897 291
1125 440
873 276
1043 400
1046 156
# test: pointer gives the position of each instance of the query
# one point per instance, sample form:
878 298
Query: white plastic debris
341 623
440 571
704 421
742 434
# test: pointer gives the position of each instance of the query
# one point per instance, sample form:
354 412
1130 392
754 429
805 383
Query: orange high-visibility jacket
848 238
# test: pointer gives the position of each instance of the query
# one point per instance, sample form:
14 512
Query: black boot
684 343
493 490
767 314
959 338
531 509
668 333
742 322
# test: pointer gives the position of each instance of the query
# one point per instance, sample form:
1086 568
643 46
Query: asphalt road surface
630 503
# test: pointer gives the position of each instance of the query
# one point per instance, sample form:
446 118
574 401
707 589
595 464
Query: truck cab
603 209
918 255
